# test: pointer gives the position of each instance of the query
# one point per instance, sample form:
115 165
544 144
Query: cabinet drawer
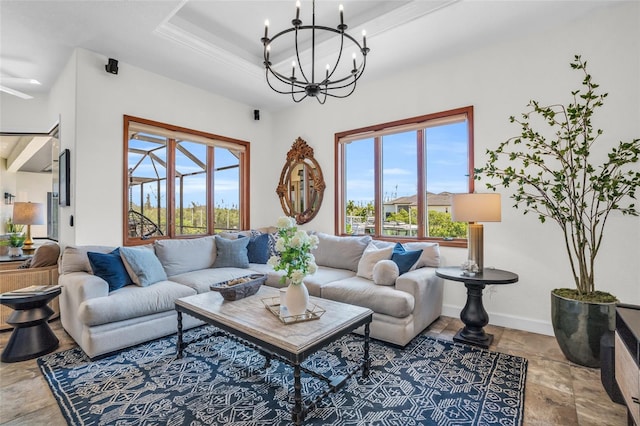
628 378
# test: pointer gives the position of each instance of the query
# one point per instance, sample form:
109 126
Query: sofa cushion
132 302
430 254
143 265
258 250
202 279
385 272
45 255
184 255
370 257
362 292
322 277
231 253
110 268
404 259
74 259
340 252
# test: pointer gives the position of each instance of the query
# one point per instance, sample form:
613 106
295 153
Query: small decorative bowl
239 288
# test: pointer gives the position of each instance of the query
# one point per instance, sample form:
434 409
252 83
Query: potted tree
554 174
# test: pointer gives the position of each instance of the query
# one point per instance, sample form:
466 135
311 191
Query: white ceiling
215 45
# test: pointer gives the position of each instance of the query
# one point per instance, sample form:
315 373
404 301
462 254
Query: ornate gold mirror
301 185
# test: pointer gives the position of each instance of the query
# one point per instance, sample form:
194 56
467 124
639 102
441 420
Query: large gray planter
578 327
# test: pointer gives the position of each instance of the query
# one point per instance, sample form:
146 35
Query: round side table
473 315
31 336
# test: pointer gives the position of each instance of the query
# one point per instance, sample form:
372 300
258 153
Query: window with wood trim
395 180
209 191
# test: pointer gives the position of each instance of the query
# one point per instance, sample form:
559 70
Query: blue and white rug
221 382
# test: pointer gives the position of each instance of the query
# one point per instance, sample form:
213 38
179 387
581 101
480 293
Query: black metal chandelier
339 79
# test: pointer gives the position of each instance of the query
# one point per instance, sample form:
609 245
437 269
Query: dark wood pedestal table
473 314
31 336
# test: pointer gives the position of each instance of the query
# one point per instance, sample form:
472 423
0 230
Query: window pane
360 187
432 147
400 184
226 189
447 149
147 186
191 188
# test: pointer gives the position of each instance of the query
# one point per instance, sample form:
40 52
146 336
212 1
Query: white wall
498 81
97 149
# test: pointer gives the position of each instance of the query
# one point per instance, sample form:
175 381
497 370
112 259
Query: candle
266 28
293 69
341 9
268 52
364 39
354 61
298 9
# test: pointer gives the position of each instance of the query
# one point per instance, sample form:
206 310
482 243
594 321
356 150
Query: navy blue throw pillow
403 258
258 248
110 268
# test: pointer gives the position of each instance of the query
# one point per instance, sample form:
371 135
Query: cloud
397 172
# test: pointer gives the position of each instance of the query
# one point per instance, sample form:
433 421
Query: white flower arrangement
294 247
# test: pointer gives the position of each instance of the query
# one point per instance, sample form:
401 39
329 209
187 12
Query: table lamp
474 208
28 214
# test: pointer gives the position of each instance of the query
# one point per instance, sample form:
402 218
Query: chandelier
339 78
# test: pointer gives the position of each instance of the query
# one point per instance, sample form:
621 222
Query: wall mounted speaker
256 114
112 66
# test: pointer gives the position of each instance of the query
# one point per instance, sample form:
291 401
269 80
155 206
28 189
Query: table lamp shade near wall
28 214
474 208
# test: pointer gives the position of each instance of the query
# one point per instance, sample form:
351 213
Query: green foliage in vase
555 175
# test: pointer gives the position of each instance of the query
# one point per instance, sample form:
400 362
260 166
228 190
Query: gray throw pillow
231 253
143 265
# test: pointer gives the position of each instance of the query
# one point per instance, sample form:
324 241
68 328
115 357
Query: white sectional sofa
103 319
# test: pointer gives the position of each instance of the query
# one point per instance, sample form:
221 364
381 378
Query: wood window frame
400 125
224 141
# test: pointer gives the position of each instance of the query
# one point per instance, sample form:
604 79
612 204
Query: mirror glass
301 185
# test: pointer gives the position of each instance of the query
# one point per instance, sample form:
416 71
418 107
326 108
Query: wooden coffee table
249 320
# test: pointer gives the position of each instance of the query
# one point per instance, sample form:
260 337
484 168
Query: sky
447 164
194 187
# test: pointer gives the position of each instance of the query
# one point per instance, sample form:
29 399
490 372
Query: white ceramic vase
297 299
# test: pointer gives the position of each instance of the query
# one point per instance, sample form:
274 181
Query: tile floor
557 392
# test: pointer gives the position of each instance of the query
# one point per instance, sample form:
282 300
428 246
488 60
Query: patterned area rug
221 382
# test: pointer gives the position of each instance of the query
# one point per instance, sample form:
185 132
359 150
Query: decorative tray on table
272 304
239 288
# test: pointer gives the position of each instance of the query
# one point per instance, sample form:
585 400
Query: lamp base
476 244
28 242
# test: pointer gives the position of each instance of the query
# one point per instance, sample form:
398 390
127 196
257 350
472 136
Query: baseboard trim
510 321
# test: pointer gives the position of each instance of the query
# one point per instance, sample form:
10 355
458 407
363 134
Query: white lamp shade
28 213
476 208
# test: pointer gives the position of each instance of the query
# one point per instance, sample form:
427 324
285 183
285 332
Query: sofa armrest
427 289
83 286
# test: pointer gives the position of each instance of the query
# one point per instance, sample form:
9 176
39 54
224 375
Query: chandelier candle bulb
341 9
354 62
364 40
266 28
293 70
298 10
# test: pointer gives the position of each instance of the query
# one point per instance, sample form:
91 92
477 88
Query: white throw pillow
371 255
430 254
385 272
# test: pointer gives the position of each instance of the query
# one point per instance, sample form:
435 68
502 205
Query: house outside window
395 180
209 191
